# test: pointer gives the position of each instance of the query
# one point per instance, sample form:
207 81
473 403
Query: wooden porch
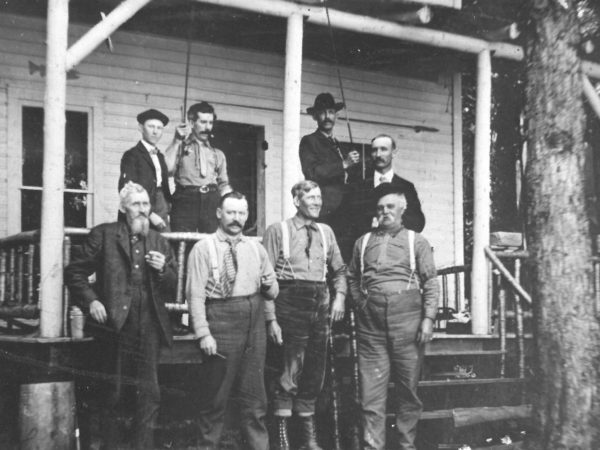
467 379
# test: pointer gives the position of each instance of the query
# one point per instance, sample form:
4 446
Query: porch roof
213 23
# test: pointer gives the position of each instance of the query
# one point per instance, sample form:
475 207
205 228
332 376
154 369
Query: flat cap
152 114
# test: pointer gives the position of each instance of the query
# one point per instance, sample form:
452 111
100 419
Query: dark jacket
137 166
107 253
365 205
321 163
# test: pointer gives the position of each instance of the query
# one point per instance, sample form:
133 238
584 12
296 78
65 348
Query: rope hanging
341 85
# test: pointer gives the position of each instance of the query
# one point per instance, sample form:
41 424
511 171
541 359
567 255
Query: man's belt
202 189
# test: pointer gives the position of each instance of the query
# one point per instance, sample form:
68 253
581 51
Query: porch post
481 205
52 233
290 163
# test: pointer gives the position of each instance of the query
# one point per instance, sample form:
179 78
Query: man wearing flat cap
323 162
200 172
393 281
145 165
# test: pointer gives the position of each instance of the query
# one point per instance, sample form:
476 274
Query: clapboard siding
148 71
3 162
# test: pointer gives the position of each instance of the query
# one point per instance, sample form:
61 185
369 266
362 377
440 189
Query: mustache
235 222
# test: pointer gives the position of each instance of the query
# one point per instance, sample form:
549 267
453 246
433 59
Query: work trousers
133 359
302 312
238 326
194 211
387 327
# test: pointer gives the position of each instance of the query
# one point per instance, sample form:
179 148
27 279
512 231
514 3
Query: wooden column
291 171
52 233
481 206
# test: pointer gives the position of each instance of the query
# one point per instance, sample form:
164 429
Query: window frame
20 98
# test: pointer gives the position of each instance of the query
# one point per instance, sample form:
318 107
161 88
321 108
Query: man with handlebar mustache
135 273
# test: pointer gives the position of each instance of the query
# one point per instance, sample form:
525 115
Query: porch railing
19 280
506 288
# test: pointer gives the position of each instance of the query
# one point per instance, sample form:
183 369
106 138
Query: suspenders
214 259
411 253
285 246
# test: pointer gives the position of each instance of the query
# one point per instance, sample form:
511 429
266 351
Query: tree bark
566 405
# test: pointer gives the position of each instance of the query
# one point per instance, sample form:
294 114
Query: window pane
76 162
31 202
33 145
76 138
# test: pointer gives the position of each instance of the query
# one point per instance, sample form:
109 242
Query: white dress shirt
379 178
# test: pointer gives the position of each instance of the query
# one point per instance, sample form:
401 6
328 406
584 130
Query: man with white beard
135 273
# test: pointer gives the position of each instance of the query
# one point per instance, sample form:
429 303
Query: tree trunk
566 406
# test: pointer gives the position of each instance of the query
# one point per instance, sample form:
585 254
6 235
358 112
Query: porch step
513 446
468 382
463 417
460 352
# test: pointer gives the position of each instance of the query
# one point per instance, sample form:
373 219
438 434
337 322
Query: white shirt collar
148 146
385 177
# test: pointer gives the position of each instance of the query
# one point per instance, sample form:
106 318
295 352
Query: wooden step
513 446
459 352
471 416
469 381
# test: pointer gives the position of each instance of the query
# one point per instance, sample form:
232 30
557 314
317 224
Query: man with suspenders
228 276
302 252
394 287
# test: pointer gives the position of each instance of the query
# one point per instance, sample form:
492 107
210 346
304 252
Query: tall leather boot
308 434
281 434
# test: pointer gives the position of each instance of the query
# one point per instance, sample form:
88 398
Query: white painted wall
245 86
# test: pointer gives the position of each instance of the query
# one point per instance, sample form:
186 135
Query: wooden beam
102 31
290 168
481 201
508 32
370 25
420 16
52 224
591 95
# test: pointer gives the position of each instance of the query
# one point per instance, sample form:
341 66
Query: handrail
489 253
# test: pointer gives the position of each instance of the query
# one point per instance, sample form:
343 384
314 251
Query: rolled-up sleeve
336 264
427 276
198 271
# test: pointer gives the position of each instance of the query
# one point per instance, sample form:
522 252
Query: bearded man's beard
140 225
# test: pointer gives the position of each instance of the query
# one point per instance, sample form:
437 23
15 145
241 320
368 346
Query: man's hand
338 308
182 130
425 333
274 332
156 260
157 221
208 345
266 281
352 158
98 311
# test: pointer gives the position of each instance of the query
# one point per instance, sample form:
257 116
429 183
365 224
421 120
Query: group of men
198 168
289 289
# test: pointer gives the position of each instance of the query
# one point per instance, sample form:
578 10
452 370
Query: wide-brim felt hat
324 101
152 114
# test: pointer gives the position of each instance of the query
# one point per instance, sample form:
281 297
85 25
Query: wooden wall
245 86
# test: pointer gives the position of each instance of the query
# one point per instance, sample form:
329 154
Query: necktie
230 269
308 240
154 151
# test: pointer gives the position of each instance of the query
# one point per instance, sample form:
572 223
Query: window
76 168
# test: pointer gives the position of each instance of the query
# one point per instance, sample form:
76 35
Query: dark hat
324 101
387 188
152 114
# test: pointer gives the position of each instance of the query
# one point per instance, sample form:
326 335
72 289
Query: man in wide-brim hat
324 162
